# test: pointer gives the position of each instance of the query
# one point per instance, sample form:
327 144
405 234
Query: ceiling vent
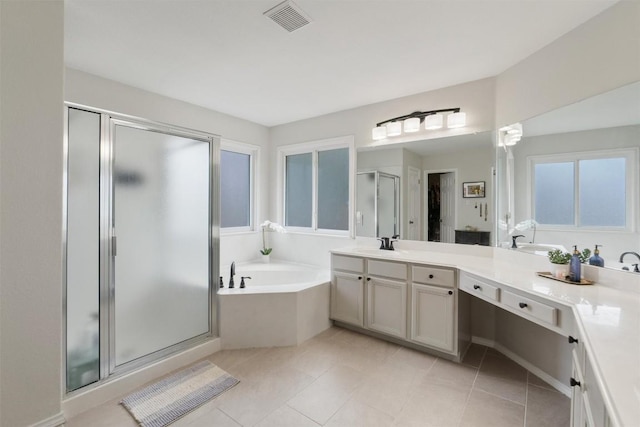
288 15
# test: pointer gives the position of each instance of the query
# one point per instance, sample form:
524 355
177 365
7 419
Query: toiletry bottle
574 266
596 259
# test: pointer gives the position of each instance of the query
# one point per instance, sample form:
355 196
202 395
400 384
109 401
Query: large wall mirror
572 179
429 203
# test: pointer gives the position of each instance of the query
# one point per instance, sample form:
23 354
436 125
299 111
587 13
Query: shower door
141 242
160 216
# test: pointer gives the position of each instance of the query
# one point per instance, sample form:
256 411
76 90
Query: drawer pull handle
431 276
522 304
574 383
572 340
476 287
450 292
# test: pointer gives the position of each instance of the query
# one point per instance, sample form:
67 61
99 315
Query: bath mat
167 400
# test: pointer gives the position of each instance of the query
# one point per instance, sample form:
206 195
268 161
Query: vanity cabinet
433 307
587 403
347 290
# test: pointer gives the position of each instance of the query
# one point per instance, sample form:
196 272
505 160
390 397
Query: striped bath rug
167 400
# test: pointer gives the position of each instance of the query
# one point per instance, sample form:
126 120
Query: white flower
273 226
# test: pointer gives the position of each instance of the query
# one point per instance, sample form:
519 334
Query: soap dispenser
575 266
596 259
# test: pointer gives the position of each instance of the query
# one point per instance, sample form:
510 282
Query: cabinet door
347 294
433 316
387 306
578 416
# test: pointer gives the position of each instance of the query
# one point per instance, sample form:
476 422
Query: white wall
600 55
31 131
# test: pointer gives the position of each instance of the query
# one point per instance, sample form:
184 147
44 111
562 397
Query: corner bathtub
282 304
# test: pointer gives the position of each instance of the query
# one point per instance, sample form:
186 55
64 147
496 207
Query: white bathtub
283 304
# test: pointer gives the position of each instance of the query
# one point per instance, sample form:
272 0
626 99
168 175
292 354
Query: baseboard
53 421
558 385
112 389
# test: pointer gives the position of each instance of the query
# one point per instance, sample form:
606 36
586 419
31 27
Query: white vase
266 258
560 271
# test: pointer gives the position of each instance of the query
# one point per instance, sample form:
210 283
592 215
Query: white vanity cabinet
587 404
347 289
386 296
433 308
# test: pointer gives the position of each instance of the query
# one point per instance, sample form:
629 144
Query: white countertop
608 317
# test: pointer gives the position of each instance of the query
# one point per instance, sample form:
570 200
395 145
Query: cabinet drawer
541 311
339 262
478 287
387 269
433 276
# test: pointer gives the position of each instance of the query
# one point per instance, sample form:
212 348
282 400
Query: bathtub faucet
231 274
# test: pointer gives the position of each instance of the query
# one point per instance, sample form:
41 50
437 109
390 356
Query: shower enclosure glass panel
388 205
377 204
161 255
83 249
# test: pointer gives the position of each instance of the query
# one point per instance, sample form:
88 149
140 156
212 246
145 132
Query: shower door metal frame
108 121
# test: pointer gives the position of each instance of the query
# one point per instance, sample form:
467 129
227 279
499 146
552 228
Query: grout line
466 403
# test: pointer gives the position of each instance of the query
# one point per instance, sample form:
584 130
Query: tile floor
342 378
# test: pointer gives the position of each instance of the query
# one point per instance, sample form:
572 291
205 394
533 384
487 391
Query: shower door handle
114 245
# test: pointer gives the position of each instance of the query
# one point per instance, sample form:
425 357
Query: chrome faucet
387 242
231 274
635 270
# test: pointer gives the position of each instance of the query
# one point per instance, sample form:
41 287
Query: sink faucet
635 270
387 242
513 241
231 274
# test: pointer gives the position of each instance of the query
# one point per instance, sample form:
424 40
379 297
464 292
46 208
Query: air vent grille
288 15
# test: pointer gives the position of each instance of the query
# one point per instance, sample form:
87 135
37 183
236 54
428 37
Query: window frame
314 147
632 188
254 152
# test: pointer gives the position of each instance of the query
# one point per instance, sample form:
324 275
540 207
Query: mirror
572 179
431 204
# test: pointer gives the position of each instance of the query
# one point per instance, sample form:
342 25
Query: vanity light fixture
510 135
411 122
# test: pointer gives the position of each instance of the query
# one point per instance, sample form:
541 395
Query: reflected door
447 207
160 220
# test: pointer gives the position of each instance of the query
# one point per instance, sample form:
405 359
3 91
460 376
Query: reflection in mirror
573 178
461 158
378 204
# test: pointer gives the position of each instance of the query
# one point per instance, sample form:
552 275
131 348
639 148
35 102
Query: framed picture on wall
473 189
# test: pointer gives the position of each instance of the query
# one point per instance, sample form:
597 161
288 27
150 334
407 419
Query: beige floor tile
229 358
409 357
107 415
451 372
212 418
434 403
535 380
474 355
357 414
503 368
286 416
484 410
319 403
547 408
386 392
340 377
503 378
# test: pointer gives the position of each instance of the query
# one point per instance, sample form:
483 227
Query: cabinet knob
431 276
522 304
359 277
574 383
368 279
476 287
572 340
450 292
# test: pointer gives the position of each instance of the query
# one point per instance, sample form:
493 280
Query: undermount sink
381 252
539 248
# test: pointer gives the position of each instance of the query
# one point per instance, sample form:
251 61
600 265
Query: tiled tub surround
605 316
283 304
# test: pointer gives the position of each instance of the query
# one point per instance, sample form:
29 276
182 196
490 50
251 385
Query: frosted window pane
602 192
235 189
333 189
83 266
386 206
161 199
554 193
298 190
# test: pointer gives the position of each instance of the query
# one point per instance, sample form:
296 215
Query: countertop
608 317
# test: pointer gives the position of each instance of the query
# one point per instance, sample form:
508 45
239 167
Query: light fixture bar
419 114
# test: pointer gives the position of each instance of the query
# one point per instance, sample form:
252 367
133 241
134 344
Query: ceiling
226 56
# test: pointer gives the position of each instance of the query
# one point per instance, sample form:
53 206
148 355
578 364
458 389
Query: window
237 169
318 186
591 190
